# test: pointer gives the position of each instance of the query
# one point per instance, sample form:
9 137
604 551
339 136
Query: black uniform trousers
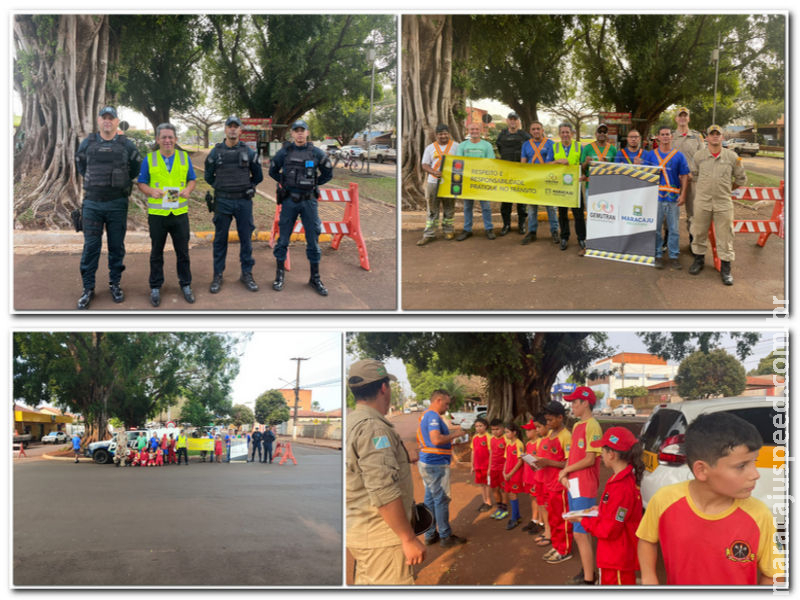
578 217
505 212
177 226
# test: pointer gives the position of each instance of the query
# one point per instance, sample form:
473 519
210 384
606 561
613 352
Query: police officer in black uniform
268 437
509 147
255 442
107 162
300 168
234 171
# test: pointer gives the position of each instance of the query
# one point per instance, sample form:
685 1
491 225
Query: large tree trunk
60 73
427 95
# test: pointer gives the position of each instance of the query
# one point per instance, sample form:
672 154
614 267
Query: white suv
662 443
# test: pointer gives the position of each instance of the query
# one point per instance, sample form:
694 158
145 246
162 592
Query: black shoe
555 237
463 236
725 272
155 296
698 264
563 244
249 282
451 541
522 228
582 248
658 263
85 299
116 293
529 237
505 230
280 277
433 540
316 283
216 284
490 234
531 525
675 264
187 294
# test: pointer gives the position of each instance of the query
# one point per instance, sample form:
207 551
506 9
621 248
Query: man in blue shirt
671 194
534 151
434 438
76 446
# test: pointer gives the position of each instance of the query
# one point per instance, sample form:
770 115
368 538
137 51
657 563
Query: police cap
299 124
716 128
233 120
108 110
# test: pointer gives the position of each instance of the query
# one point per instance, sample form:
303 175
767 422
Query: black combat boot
725 272
315 281
280 274
698 264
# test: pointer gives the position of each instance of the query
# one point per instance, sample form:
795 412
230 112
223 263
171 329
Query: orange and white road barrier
349 226
288 454
22 450
775 225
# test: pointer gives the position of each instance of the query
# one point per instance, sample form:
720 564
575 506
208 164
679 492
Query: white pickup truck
742 146
382 152
467 419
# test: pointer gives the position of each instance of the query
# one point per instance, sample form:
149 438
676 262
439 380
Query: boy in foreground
711 531
479 463
497 459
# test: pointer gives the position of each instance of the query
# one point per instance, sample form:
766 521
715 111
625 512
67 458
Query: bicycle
350 161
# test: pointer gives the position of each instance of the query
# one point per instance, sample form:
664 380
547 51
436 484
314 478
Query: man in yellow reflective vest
568 152
167 179
180 446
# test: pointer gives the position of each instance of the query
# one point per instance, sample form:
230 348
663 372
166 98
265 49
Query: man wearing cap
380 492
688 142
168 182
601 150
671 195
509 147
479 148
300 168
534 151
434 439
234 171
432 164
568 152
581 474
107 162
718 171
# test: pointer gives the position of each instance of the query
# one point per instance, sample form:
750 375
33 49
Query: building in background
629 369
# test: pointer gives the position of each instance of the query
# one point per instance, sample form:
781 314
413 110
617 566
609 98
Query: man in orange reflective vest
434 438
432 160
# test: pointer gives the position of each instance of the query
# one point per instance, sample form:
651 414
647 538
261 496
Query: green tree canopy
520 367
271 408
634 391
425 381
774 363
128 375
710 374
341 120
676 345
195 413
241 414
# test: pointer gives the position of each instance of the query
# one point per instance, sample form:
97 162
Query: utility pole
296 397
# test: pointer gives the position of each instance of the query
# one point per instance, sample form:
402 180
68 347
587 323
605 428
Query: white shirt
429 157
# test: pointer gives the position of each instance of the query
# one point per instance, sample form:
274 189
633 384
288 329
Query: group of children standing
560 473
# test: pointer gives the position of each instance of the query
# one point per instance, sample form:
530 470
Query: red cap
582 393
617 438
529 425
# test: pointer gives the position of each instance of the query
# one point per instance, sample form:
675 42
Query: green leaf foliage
271 408
710 374
774 363
676 345
241 414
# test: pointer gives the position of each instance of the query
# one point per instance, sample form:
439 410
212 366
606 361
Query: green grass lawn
772 154
375 188
761 180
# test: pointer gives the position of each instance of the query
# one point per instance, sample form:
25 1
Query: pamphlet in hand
529 459
586 512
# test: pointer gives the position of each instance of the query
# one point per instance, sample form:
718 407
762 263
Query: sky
623 341
266 364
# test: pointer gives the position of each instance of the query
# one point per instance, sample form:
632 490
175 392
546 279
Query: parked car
624 410
55 437
382 153
606 410
23 438
663 435
354 150
742 146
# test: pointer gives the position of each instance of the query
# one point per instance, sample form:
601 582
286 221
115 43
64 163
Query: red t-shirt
728 548
480 452
529 474
582 433
514 450
498 447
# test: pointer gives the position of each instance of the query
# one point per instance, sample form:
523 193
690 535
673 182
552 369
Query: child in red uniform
218 448
619 510
172 457
479 463
159 458
529 477
151 457
497 458
581 475
512 471
710 529
541 492
556 452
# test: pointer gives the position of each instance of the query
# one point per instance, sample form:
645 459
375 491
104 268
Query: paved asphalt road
205 525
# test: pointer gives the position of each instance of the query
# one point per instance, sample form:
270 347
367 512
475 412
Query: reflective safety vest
574 157
430 449
627 156
439 153
161 178
537 151
181 442
600 155
666 186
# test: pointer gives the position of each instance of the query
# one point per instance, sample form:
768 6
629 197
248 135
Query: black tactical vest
233 169
300 169
510 144
107 174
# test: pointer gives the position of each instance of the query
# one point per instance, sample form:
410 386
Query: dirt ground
500 274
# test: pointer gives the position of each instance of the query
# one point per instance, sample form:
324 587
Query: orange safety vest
667 187
628 158
537 151
440 153
421 440
600 155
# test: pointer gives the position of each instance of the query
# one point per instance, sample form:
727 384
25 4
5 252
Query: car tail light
671 450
